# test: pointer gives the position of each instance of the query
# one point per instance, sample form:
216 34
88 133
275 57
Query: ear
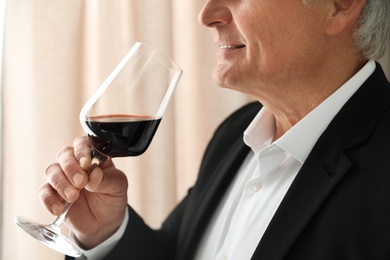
343 15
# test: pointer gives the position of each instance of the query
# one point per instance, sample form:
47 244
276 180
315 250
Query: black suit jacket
338 206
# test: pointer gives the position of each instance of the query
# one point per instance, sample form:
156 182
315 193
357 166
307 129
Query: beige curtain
56 54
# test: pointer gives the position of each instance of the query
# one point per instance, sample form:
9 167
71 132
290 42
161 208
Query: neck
295 101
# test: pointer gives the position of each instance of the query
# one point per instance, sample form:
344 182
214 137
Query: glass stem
56 223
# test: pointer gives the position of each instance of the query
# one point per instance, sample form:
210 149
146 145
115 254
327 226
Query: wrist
90 239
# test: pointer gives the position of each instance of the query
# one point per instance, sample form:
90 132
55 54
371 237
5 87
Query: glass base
50 236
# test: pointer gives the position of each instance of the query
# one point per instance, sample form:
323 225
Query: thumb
110 181
95 179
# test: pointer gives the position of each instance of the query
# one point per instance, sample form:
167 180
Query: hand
100 198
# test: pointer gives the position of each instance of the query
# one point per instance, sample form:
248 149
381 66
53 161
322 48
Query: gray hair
373 28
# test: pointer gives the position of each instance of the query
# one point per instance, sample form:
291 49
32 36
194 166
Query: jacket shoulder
238 121
228 132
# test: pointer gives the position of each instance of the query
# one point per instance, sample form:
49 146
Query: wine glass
120 118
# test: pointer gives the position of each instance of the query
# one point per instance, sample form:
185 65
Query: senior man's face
264 42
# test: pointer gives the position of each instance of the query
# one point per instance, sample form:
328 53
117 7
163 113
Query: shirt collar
301 138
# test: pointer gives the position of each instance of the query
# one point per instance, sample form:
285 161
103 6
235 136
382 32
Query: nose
214 13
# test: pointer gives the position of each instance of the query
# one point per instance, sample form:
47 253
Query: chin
224 79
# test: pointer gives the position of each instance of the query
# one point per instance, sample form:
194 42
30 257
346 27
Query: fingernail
55 209
69 192
78 179
82 162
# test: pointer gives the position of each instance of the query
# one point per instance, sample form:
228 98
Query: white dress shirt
265 176
262 181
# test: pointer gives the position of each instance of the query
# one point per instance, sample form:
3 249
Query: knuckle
47 195
60 184
81 141
64 152
69 165
82 147
56 180
67 162
51 168
83 152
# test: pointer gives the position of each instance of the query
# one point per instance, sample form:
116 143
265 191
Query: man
310 179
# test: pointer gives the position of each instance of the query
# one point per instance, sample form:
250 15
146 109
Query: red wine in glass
121 135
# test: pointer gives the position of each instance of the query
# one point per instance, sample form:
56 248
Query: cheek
264 57
282 46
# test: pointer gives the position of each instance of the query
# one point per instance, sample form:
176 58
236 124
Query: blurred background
55 53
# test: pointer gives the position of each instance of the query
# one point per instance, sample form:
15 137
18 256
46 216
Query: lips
229 47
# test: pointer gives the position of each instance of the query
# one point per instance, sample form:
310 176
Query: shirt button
223 258
257 187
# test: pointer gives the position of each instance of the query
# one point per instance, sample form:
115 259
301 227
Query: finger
60 182
107 163
71 167
110 181
50 199
94 179
82 151
95 174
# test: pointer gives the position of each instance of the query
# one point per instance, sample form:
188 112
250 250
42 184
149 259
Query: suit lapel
201 209
312 186
222 159
325 167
